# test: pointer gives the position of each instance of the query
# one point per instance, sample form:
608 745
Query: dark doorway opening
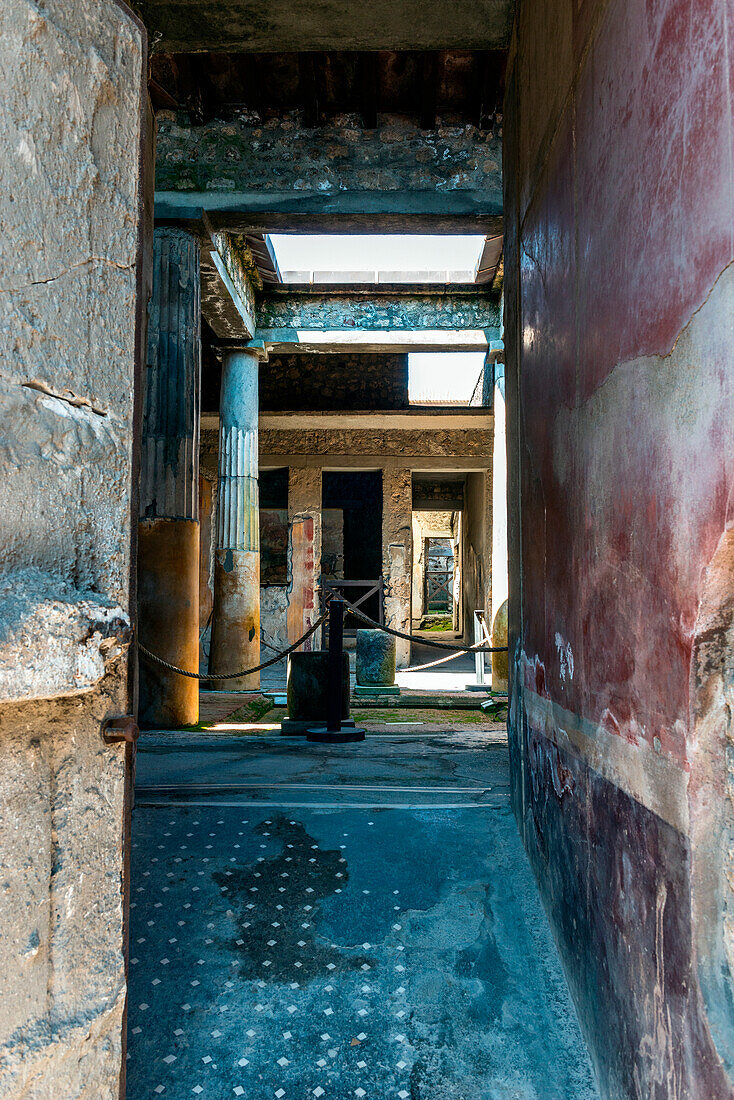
352 500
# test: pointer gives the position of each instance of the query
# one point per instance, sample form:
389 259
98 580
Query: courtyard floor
352 921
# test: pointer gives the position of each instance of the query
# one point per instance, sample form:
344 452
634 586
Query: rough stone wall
70 239
619 291
322 383
280 155
397 553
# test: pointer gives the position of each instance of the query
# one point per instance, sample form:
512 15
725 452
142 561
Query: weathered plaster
55 640
620 412
274 618
70 210
229 279
476 547
304 553
397 554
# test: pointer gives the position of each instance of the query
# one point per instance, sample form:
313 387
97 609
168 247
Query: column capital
257 348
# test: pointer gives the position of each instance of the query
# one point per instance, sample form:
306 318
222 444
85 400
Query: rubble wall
327 382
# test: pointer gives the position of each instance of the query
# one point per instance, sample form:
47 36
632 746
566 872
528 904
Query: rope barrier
422 641
233 675
456 651
440 660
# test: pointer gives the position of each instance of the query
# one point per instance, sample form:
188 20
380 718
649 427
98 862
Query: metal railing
350 591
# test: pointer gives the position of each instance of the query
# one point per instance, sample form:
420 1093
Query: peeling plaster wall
70 225
619 295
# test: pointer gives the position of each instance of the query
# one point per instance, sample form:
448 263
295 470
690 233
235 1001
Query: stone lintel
424 418
425 463
228 283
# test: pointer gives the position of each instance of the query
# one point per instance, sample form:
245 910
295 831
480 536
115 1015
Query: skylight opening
445 378
377 258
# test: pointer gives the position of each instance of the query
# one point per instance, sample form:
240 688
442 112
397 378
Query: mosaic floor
308 936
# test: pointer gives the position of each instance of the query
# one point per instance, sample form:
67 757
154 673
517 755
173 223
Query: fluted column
236 619
168 530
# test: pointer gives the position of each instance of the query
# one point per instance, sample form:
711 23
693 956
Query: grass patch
455 718
252 711
442 622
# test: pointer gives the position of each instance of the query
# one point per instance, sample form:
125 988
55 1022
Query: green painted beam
369 308
372 320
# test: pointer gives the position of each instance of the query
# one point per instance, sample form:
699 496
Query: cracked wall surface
70 149
620 410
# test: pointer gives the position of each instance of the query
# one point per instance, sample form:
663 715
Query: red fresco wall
619 327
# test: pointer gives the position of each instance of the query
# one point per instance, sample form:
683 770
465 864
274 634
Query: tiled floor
310 922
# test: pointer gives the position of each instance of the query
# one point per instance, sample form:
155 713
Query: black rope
233 675
422 641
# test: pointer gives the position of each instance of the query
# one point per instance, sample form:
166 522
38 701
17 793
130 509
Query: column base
374 691
168 621
236 620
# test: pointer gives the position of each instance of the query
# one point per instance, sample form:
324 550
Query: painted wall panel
619 329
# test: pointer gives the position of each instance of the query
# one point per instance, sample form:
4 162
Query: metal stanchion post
480 684
334 732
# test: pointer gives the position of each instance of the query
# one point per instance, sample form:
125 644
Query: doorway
351 561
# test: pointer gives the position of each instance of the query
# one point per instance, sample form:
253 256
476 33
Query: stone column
304 553
168 532
397 553
236 620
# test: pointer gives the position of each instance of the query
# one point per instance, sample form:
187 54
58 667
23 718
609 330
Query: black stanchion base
335 737
299 727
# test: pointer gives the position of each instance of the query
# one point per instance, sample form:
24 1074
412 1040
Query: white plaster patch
565 654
